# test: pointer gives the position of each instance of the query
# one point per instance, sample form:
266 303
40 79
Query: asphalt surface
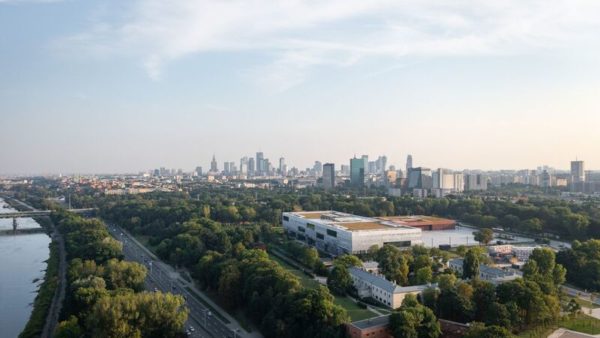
201 322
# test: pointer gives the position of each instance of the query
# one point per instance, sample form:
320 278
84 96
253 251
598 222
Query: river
22 266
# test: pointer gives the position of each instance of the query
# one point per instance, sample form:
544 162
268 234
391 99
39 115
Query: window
285 218
332 233
310 226
320 236
301 229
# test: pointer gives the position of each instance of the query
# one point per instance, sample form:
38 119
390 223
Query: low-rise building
370 328
381 289
486 273
522 253
341 233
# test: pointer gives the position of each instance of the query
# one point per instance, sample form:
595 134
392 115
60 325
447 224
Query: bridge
38 213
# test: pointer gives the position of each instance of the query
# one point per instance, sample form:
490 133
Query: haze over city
94 87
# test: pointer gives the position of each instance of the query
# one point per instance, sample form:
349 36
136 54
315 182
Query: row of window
331 233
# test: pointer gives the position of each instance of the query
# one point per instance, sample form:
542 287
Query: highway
201 321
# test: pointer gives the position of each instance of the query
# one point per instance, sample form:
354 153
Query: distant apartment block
475 182
328 176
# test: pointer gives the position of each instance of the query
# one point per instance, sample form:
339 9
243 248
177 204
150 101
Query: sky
125 86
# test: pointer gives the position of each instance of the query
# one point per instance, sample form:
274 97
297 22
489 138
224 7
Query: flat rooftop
418 220
372 322
350 222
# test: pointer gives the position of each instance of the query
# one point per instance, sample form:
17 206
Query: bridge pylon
15 224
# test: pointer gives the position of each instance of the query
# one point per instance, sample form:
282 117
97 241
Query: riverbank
45 295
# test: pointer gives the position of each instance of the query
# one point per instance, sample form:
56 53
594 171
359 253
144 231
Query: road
201 321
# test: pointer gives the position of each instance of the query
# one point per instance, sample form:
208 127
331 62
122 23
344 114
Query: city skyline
122 87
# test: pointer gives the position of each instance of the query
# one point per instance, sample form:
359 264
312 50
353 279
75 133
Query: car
187 332
155 290
192 328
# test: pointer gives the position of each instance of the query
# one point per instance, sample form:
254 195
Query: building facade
341 233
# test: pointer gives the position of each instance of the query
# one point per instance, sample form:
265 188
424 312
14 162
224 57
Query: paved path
59 295
564 333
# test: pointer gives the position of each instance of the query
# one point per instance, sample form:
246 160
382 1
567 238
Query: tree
348 261
471 265
424 275
479 330
573 308
68 329
484 236
484 296
313 313
413 320
392 264
446 282
339 280
310 257
147 314
230 283
123 274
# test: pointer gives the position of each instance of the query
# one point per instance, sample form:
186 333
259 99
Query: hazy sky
115 86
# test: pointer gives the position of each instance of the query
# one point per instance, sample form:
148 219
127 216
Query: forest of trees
515 305
212 232
220 258
104 297
259 210
582 262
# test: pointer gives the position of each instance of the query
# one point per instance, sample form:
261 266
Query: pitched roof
383 283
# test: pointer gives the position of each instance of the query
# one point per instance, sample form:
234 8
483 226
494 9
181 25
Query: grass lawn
586 303
580 323
306 281
354 311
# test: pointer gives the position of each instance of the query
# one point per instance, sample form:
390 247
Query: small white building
486 273
381 289
522 253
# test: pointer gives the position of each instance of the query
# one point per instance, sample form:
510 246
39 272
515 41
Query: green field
354 311
579 323
305 280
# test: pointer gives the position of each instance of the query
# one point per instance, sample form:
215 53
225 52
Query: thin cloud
298 35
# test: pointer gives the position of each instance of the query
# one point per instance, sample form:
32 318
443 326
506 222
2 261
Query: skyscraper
226 168
409 164
577 171
328 176
318 168
213 165
365 159
420 178
251 167
260 163
282 167
357 171
244 165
